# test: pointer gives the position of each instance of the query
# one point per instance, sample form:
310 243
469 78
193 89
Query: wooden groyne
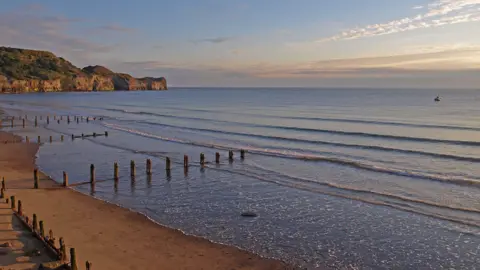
57 251
23 121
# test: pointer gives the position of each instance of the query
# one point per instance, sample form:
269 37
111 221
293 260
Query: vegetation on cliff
24 70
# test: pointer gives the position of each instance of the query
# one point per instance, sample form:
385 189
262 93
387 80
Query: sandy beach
107 235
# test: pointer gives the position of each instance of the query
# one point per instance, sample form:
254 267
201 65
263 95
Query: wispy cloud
116 28
417 7
216 40
437 13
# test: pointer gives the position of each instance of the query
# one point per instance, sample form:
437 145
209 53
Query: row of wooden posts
37 227
77 119
82 136
168 164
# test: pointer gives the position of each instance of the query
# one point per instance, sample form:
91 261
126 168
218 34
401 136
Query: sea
338 178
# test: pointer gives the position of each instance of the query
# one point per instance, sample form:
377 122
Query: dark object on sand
248 214
437 99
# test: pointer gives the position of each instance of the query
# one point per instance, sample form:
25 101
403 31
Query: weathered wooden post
12 122
65 179
38 139
58 121
20 210
132 168
12 202
36 121
63 251
88 265
34 223
185 161
54 117
106 133
61 138
230 155
77 120
149 167
68 119
23 122
27 140
88 119
83 136
2 193
242 154
48 120
35 178
115 171
217 158
202 159
168 164
3 183
42 229
51 139
73 259
73 137
92 173
51 239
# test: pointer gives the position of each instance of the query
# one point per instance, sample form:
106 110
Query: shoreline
113 228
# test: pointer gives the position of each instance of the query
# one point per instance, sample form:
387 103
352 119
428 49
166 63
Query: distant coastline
27 71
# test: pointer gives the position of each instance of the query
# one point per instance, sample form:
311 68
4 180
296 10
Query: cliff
40 71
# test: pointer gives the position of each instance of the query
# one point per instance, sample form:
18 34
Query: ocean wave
322 119
301 156
356 146
311 130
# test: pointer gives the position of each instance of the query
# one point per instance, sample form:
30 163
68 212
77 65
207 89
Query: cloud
28 29
116 28
437 13
418 7
212 40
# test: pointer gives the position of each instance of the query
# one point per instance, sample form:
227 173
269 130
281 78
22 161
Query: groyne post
185 161
63 251
2 193
23 122
65 179
132 168
61 138
68 119
38 139
242 154
12 202
42 229
35 178
202 159
106 133
36 121
168 164
115 171
27 140
20 210
77 120
55 117
149 167
12 123
3 183
217 158
51 139
230 155
51 239
92 173
48 120
88 265
73 137
73 259
34 223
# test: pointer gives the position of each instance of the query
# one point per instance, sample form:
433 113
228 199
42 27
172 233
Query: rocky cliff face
37 71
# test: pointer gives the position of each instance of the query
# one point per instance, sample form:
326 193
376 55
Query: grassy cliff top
24 64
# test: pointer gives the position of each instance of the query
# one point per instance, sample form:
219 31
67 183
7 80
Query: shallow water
343 179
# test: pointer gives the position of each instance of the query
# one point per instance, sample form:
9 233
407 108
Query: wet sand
109 236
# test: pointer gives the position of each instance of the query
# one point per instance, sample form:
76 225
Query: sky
260 43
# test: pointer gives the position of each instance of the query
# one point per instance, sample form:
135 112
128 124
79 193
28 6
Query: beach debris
248 214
